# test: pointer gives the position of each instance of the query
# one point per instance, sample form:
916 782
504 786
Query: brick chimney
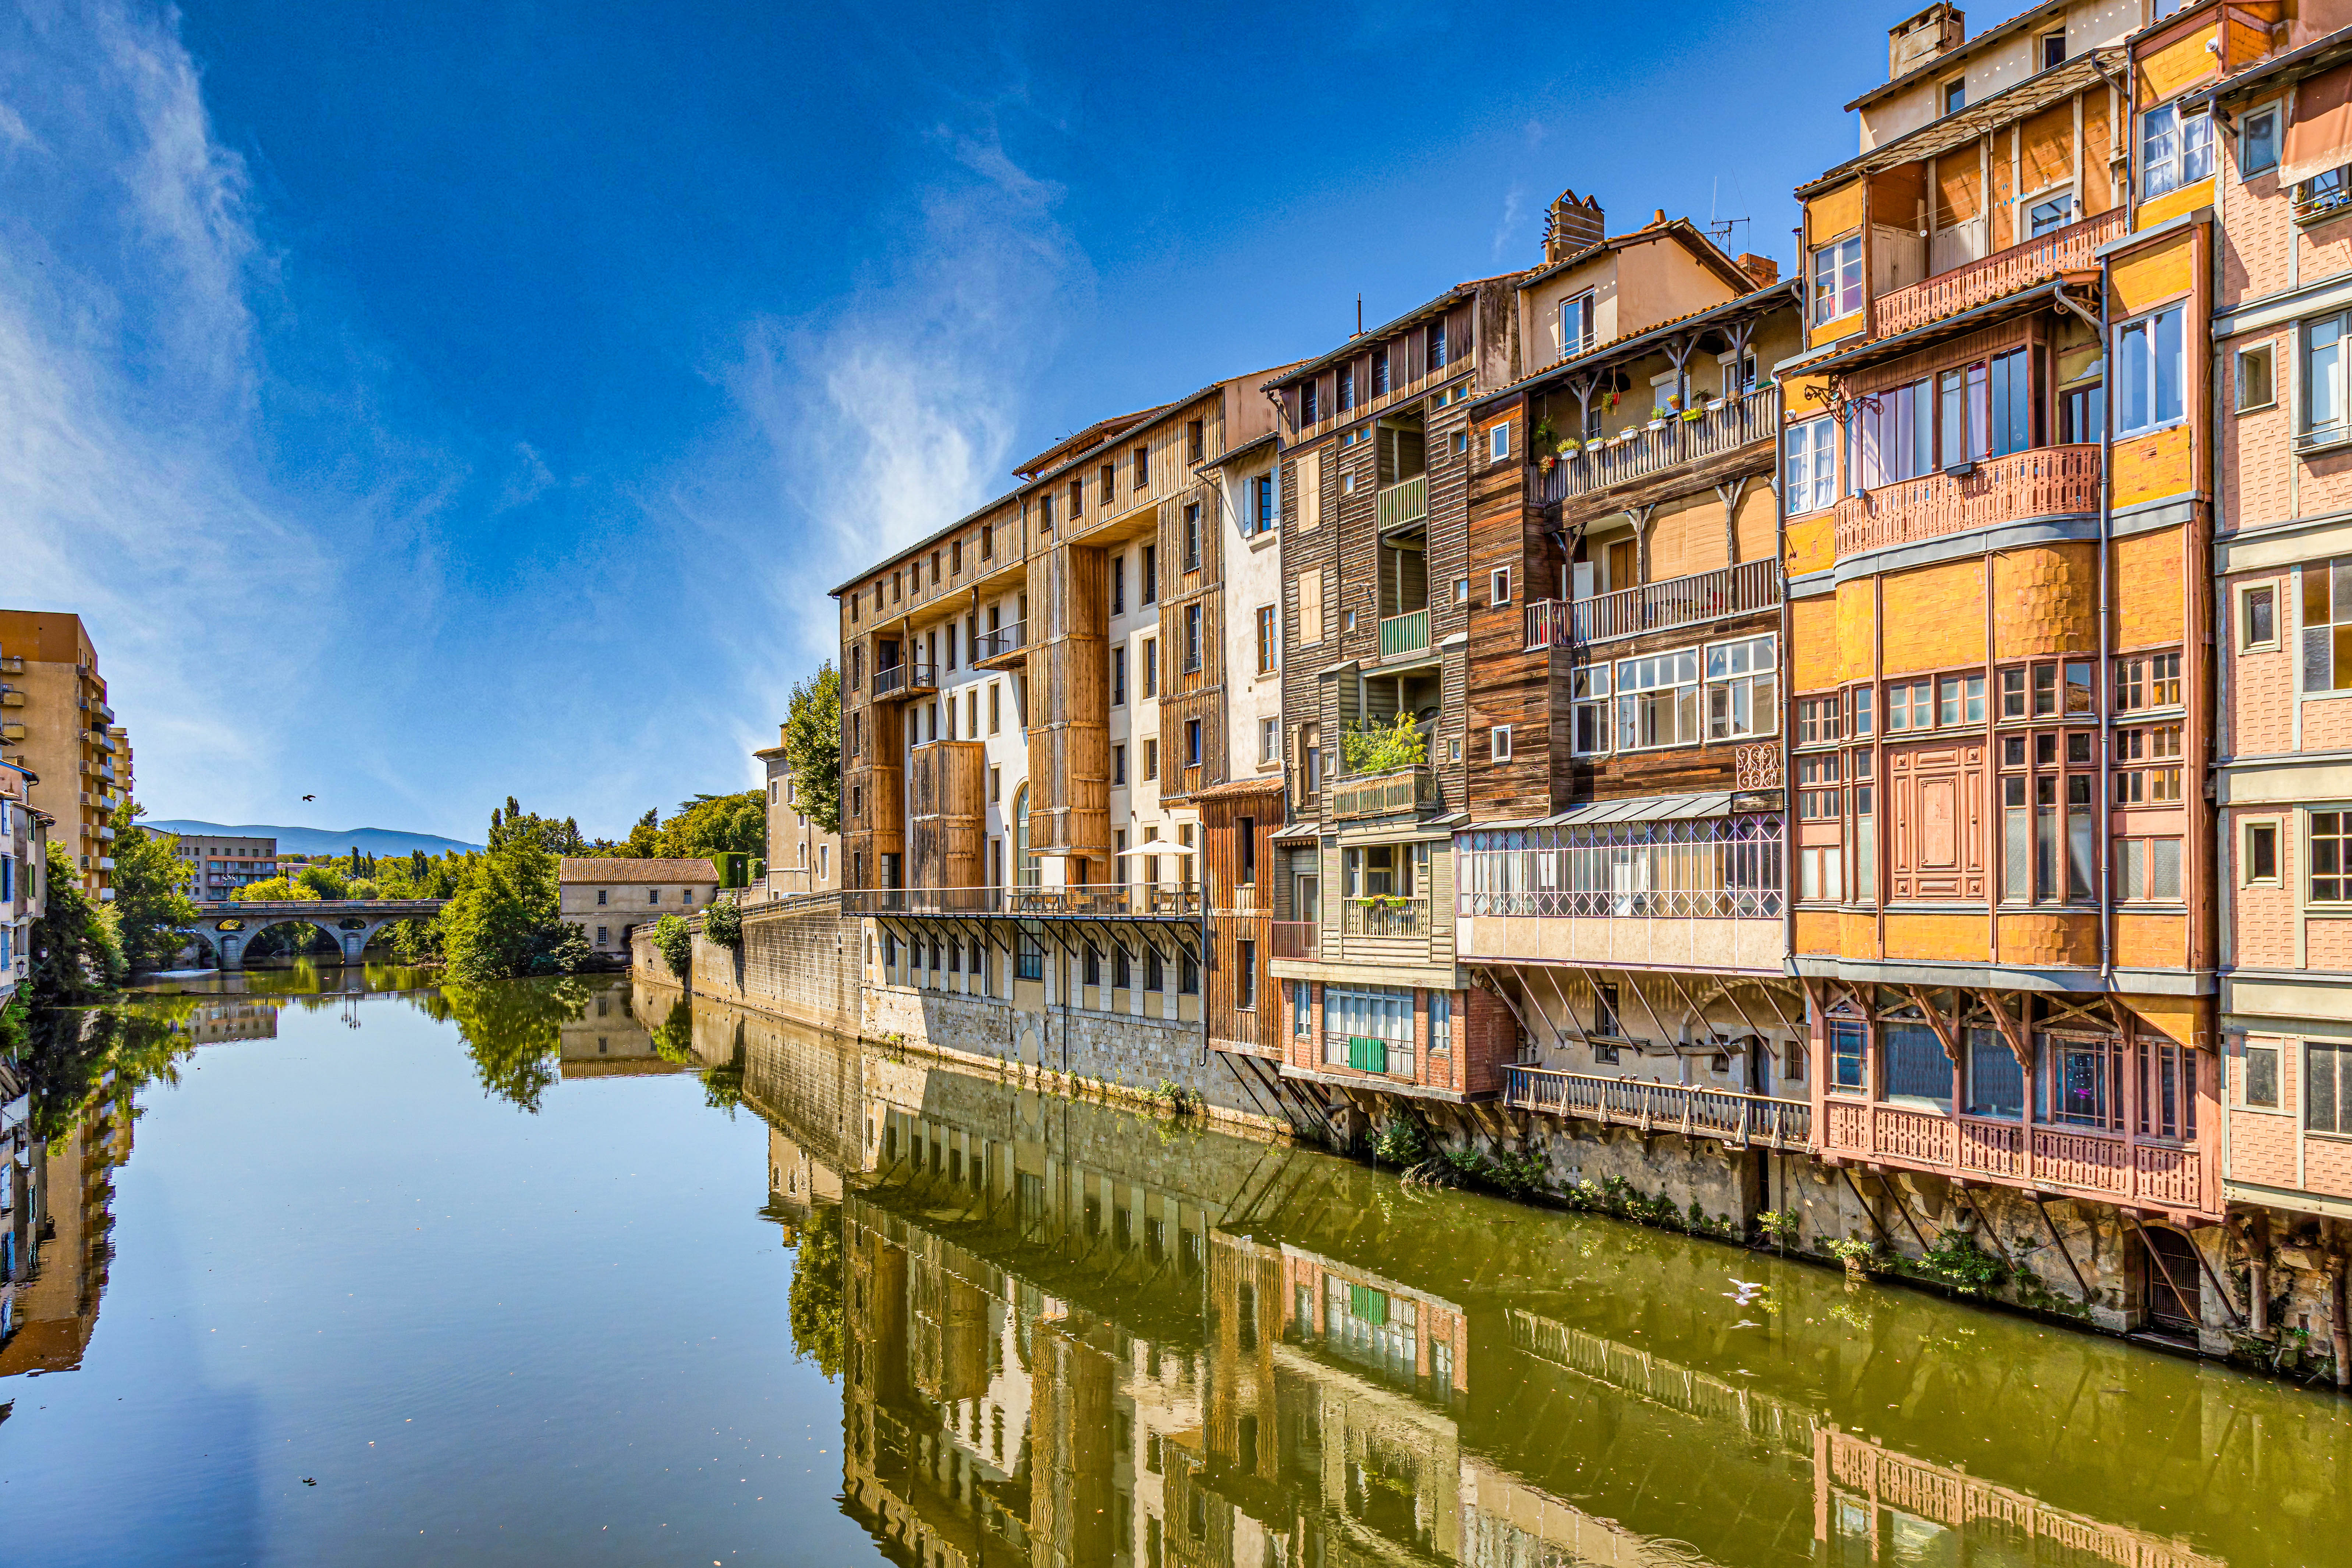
1572 225
1914 41
1762 271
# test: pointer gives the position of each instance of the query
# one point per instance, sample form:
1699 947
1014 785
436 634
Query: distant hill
318 840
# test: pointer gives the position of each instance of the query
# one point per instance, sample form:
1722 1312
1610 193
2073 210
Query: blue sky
429 404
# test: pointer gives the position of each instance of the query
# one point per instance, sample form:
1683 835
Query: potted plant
1657 418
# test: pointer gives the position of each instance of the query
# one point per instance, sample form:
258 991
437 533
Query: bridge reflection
1074 1336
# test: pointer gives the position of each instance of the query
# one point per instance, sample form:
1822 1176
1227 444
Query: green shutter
1369 1305
1368 1053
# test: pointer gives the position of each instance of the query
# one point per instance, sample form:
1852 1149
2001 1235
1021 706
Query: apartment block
22 833
223 864
55 722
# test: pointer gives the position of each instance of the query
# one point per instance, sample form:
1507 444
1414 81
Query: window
1379 373
1192 639
1864 716
1150 760
2053 49
2258 617
2262 857
2147 765
1269 740
1956 95
1119 585
2327 1081
1498 743
1310 608
1810 478
1498 444
1918 1070
1819 719
2149 369
1269 638
1589 710
1119 763
2331 875
996 706
987 540
1308 411
2049 838
1837 280
1245 977
1262 504
1045 514
653 895
2147 680
2258 141
1118 676
2257 386
1996 1084
600 897
1576 329
1741 689
1909 707
1147 577
2148 869
1847 1056
2077 1082
1193 537
2261 1083
2327 625
1148 658
1196 441
1138 470
1818 798
2175 149
1191 743
1657 699
1499 586
1437 344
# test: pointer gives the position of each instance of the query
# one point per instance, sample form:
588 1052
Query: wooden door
1938 793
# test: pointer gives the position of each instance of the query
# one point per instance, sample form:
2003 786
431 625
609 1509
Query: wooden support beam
2042 1204
1984 1222
2011 1030
1875 1223
1944 1035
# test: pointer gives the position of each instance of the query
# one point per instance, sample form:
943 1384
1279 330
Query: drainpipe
2107 763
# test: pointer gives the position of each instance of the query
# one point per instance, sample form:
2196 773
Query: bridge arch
352 922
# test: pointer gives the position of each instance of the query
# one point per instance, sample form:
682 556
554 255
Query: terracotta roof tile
618 869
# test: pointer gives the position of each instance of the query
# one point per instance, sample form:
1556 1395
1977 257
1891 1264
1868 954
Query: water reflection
1069 1335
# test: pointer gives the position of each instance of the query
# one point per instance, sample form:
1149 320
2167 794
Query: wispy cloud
1506 226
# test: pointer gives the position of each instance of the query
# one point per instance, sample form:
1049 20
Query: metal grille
1718 868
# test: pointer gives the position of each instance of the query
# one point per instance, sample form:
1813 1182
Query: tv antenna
1719 229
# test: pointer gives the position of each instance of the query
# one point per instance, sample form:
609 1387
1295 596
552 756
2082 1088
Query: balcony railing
2073 249
905 680
1090 900
2043 482
1405 502
1003 640
1700 597
1292 939
1394 794
1401 635
1379 916
1724 426
1739 1119
2162 1175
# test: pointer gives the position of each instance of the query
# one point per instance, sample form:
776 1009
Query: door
2171 1284
1622 565
1303 898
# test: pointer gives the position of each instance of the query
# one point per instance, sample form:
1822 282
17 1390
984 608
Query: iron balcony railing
1003 640
2074 248
1725 867
2040 481
1384 916
1405 634
1405 502
1092 901
1701 597
1292 939
1724 425
1739 1119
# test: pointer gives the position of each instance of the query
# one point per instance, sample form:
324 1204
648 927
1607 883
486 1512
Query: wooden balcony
1740 1120
1724 426
1090 900
1292 939
1399 793
1694 600
2105 1165
2073 249
1384 916
898 682
1001 649
2043 481
1404 503
1402 636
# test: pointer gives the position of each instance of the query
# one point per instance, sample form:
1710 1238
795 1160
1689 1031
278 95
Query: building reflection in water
1075 1337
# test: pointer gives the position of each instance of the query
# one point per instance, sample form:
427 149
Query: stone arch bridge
231 926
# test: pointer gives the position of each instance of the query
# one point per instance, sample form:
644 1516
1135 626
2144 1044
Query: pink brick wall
2327 944
2262 683
2255 448
2328 1166
2264 917
2262 1142
2328 724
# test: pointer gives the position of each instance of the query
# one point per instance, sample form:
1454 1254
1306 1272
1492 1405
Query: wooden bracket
2011 1030
1943 1034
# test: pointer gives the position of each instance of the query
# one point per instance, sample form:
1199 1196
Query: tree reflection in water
513 1031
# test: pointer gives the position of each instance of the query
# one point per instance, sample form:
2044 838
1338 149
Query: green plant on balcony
1386 904
1384 748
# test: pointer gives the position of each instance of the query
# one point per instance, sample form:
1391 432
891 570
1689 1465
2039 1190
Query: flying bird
310 797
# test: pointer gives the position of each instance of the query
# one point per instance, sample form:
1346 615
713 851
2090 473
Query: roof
1633 808
2012 103
1270 784
1359 341
1637 343
2318 53
1693 238
1247 449
621 869
1078 441
1879 349
1936 65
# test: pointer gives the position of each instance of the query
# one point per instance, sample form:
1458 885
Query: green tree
675 942
1380 748
555 838
711 824
812 746
502 920
723 923
152 910
76 954
816 1296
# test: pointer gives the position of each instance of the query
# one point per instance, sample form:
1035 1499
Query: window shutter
1309 472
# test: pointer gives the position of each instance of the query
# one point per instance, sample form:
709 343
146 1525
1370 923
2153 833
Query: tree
723 923
816 1294
503 922
76 953
152 910
555 838
812 746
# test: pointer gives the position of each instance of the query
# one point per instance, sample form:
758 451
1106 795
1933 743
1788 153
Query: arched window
1024 864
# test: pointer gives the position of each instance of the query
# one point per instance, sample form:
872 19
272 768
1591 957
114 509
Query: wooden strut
2013 1032
2163 1270
1872 1214
1568 1007
2219 1288
2041 1206
1943 1036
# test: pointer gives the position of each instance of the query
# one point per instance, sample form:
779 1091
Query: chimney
1938 29
1572 225
1761 269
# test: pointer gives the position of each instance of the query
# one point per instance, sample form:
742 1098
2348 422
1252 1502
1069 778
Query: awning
1633 808
1298 833
2321 137
1155 847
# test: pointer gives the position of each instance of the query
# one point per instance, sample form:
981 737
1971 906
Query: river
346 1269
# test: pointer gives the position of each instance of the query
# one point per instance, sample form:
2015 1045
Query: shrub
1400 1143
723 923
1379 748
1957 1261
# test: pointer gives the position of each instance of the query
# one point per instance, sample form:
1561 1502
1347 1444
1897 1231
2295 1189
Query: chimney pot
1572 224
1762 269
1657 217
1916 40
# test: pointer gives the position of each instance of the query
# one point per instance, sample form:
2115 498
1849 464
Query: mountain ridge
319 840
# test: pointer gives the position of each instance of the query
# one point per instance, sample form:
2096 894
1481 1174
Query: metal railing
1703 597
1404 634
1738 1118
1406 501
1380 916
916 675
1092 901
1724 425
2073 249
1725 867
1003 640
2042 481
1292 939
1392 794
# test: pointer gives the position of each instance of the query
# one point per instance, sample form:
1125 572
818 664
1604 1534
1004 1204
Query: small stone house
608 899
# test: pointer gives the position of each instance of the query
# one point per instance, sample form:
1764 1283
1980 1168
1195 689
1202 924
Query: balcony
11 732
1088 901
1404 634
1724 426
1005 643
1399 793
1292 939
1404 503
1384 916
2073 249
2058 1159
1694 600
2043 481
918 677
1740 1120
11 697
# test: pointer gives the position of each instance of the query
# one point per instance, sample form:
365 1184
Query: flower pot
1657 424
